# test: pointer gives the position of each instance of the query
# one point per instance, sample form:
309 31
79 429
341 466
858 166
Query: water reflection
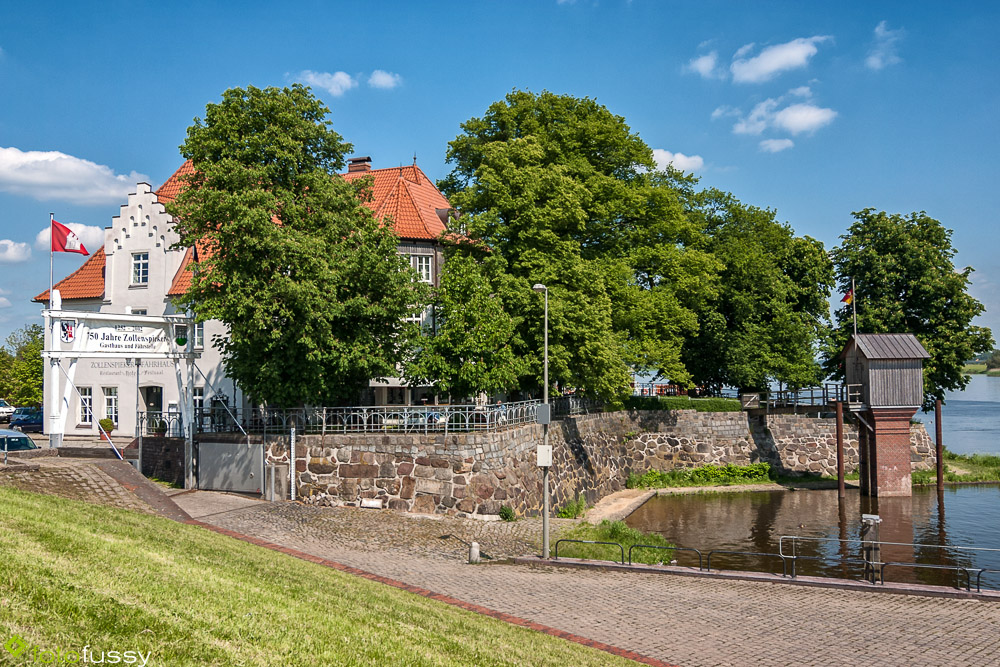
831 530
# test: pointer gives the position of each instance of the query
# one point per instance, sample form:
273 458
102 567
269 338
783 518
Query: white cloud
54 175
384 80
799 118
794 118
883 53
760 117
724 111
743 50
678 160
92 237
12 253
336 84
774 59
705 66
4 302
801 91
776 145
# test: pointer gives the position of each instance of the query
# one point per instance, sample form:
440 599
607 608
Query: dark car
15 441
27 419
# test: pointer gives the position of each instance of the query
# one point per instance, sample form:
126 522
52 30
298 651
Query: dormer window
140 269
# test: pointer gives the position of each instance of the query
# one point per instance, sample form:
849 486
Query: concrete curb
737 575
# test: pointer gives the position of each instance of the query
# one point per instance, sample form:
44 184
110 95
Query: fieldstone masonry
474 474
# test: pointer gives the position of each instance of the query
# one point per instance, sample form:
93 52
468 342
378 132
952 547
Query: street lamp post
538 287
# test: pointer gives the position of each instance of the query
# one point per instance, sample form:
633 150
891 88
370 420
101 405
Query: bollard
473 553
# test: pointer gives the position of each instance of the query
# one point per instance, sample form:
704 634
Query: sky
814 110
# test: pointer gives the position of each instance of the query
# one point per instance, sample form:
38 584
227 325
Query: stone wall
475 474
162 458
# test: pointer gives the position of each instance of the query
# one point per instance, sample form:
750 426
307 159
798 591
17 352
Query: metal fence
355 419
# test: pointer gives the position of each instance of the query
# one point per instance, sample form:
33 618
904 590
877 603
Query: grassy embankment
618 532
980 369
963 468
75 574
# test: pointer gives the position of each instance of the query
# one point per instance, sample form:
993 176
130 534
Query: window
140 268
86 405
199 400
423 265
199 335
111 403
138 311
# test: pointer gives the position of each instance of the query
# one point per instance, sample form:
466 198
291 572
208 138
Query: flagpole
52 216
854 306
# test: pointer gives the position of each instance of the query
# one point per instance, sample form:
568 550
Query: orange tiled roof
409 197
169 190
87 282
403 193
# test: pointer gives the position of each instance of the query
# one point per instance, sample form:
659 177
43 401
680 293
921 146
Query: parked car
15 441
27 419
6 411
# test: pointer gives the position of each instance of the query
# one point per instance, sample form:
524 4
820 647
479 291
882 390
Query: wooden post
841 491
940 445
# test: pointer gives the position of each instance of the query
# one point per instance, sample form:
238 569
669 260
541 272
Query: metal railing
788 554
612 544
357 419
815 397
159 424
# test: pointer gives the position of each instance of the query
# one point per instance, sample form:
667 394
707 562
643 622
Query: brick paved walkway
681 620
77 479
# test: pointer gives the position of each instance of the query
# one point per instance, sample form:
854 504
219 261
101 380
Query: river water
966 516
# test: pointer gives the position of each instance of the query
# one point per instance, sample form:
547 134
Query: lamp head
538 287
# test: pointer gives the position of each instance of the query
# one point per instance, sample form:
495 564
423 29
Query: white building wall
141 227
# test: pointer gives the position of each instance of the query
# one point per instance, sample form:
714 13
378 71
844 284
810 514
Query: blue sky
813 109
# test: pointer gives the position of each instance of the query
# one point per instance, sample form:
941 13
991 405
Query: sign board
544 413
544 456
86 334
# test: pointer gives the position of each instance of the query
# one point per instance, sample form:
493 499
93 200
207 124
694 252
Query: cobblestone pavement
77 479
682 620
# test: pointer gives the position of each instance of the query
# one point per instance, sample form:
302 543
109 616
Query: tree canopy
905 282
469 346
22 367
769 316
308 282
568 196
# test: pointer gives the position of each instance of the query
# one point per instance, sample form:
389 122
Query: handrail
929 566
613 544
708 562
657 546
979 576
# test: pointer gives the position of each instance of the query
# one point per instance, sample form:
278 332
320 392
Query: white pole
545 436
854 307
291 464
52 216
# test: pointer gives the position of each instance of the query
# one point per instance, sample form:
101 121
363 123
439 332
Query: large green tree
906 282
769 317
22 367
308 282
468 346
569 196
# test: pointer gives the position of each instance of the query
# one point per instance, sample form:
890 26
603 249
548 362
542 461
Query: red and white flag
65 239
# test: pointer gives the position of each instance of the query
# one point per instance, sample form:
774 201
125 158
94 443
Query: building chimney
359 164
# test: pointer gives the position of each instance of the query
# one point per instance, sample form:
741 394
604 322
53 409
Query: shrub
107 425
614 531
703 476
507 513
682 403
573 509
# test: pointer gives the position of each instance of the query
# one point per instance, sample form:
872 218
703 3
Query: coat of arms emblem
67 330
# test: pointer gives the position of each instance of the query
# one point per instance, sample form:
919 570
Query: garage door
230 466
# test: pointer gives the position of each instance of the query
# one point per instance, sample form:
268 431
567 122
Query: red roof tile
169 190
87 282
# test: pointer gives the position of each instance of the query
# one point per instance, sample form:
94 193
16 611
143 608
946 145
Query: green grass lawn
959 468
74 574
971 369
